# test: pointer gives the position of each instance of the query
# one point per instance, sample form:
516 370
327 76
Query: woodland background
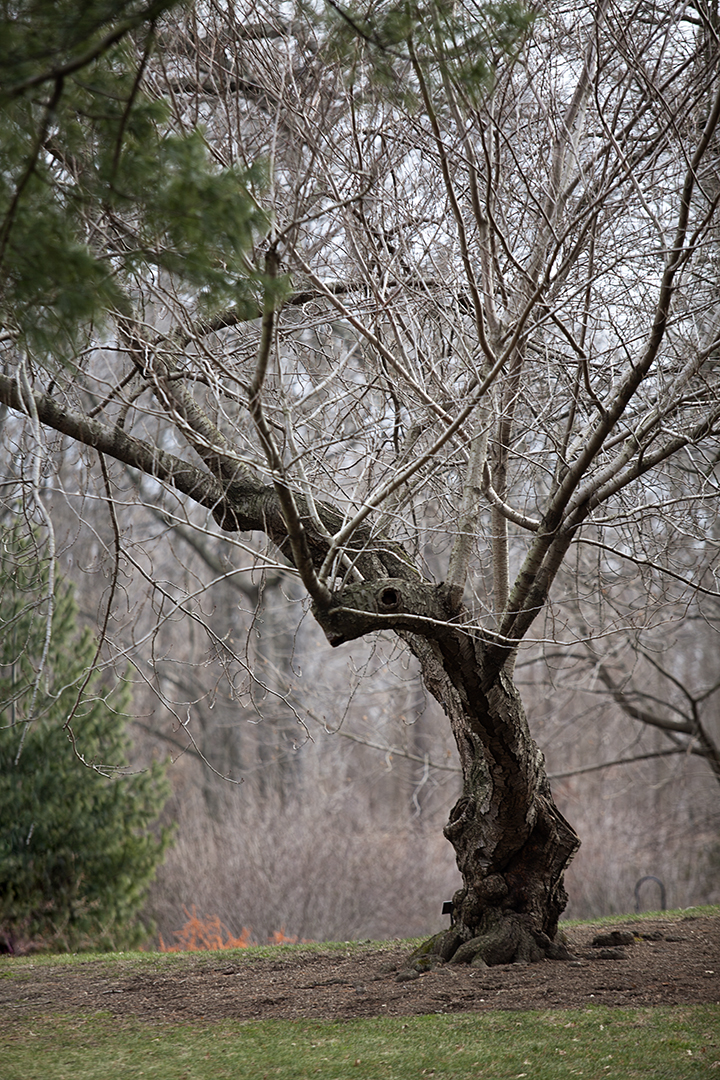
310 785
346 766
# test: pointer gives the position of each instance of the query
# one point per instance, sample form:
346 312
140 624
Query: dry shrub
633 826
279 937
315 864
208 932
200 933
331 866
342 857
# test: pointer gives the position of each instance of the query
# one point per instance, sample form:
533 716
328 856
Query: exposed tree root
500 937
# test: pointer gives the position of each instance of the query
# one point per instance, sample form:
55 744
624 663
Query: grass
677 1043
593 1043
122 961
22 969
675 915
19 967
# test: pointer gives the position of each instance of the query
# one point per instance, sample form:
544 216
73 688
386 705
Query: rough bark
511 842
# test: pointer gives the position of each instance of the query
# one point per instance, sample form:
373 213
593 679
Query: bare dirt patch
669 962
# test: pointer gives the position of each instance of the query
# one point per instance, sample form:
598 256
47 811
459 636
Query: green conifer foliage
79 843
95 186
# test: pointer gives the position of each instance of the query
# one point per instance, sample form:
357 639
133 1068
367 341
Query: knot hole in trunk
389 599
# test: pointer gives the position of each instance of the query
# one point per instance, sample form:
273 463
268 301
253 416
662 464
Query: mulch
673 961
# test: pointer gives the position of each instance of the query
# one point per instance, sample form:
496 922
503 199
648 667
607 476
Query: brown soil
670 961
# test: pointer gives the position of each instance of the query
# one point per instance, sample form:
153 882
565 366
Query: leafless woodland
496 364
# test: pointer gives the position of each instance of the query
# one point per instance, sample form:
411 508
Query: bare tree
497 352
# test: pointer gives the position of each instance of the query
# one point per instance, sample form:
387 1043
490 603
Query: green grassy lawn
592 1043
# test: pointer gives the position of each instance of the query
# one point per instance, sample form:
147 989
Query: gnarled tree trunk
511 842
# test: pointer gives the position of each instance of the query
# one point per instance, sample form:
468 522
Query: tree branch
302 556
148 14
622 761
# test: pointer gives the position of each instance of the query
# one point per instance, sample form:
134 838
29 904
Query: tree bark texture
511 843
